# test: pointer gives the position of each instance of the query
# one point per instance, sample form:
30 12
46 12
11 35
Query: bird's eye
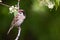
21 12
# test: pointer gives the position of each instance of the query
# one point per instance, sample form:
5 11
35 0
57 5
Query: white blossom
0 0
51 5
47 3
12 9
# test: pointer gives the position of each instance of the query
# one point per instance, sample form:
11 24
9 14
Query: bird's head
21 13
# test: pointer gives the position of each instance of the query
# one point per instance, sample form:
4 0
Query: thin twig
18 4
5 4
19 30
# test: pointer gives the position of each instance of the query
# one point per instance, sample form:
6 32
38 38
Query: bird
17 20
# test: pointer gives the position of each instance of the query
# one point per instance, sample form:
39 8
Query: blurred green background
41 23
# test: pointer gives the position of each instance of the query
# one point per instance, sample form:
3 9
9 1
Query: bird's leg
10 29
19 30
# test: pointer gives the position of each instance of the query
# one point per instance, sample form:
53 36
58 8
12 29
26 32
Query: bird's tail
10 29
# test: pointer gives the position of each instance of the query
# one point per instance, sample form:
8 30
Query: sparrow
17 20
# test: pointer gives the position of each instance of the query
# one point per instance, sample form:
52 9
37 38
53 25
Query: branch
19 30
18 4
5 4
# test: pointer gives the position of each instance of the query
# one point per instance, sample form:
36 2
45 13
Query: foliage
41 23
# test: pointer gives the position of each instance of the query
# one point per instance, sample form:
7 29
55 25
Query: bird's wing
15 20
12 24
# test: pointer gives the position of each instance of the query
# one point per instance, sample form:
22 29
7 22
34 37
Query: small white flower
47 3
12 9
50 5
0 0
16 7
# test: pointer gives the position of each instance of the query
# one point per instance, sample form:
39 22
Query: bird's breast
19 22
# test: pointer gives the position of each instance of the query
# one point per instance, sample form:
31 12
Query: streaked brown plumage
17 20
